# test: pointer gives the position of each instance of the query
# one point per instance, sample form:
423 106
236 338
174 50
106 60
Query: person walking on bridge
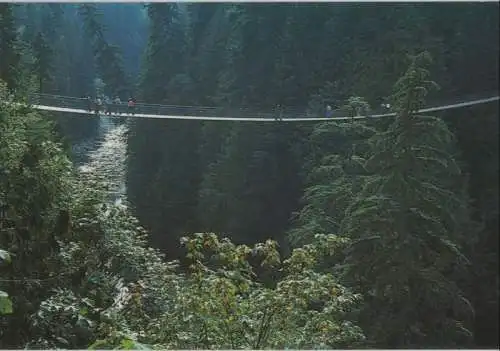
279 113
131 106
329 111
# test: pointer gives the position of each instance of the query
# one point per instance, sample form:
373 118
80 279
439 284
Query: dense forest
361 233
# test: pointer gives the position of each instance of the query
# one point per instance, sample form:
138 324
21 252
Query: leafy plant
5 302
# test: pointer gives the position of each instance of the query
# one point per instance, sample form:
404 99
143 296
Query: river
106 157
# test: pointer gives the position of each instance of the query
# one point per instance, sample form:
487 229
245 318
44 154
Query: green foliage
4 256
218 303
165 195
9 65
5 302
34 189
407 225
250 188
119 293
130 298
318 54
107 57
336 174
478 136
394 197
164 76
62 321
43 61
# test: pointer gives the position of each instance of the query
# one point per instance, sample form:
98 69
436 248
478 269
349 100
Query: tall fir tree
334 175
163 179
10 57
42 61
407 225
107 57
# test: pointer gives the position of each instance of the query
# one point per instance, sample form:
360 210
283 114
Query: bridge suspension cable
67 104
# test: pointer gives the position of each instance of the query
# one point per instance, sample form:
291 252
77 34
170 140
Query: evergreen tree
43 61
163 178
477 133
252 187
9 64
34 189
164 77
107 57
206 58
336 175
407 225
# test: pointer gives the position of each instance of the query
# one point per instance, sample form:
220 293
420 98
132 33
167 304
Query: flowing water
106 157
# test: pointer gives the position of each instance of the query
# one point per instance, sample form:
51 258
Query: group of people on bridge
116 106
110 106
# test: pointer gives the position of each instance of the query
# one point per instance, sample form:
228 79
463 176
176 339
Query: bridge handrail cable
38 97
337 114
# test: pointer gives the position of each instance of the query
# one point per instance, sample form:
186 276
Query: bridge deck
79 106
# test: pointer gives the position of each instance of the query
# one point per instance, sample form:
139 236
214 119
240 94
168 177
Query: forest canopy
361 233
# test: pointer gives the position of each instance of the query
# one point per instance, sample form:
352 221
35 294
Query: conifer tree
406 226
163 178
108 58
336 174
251 188
164 77
34 187
42 61
10 58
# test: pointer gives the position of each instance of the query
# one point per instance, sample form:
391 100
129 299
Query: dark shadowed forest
355 233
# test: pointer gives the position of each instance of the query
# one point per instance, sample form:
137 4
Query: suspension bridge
67 104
